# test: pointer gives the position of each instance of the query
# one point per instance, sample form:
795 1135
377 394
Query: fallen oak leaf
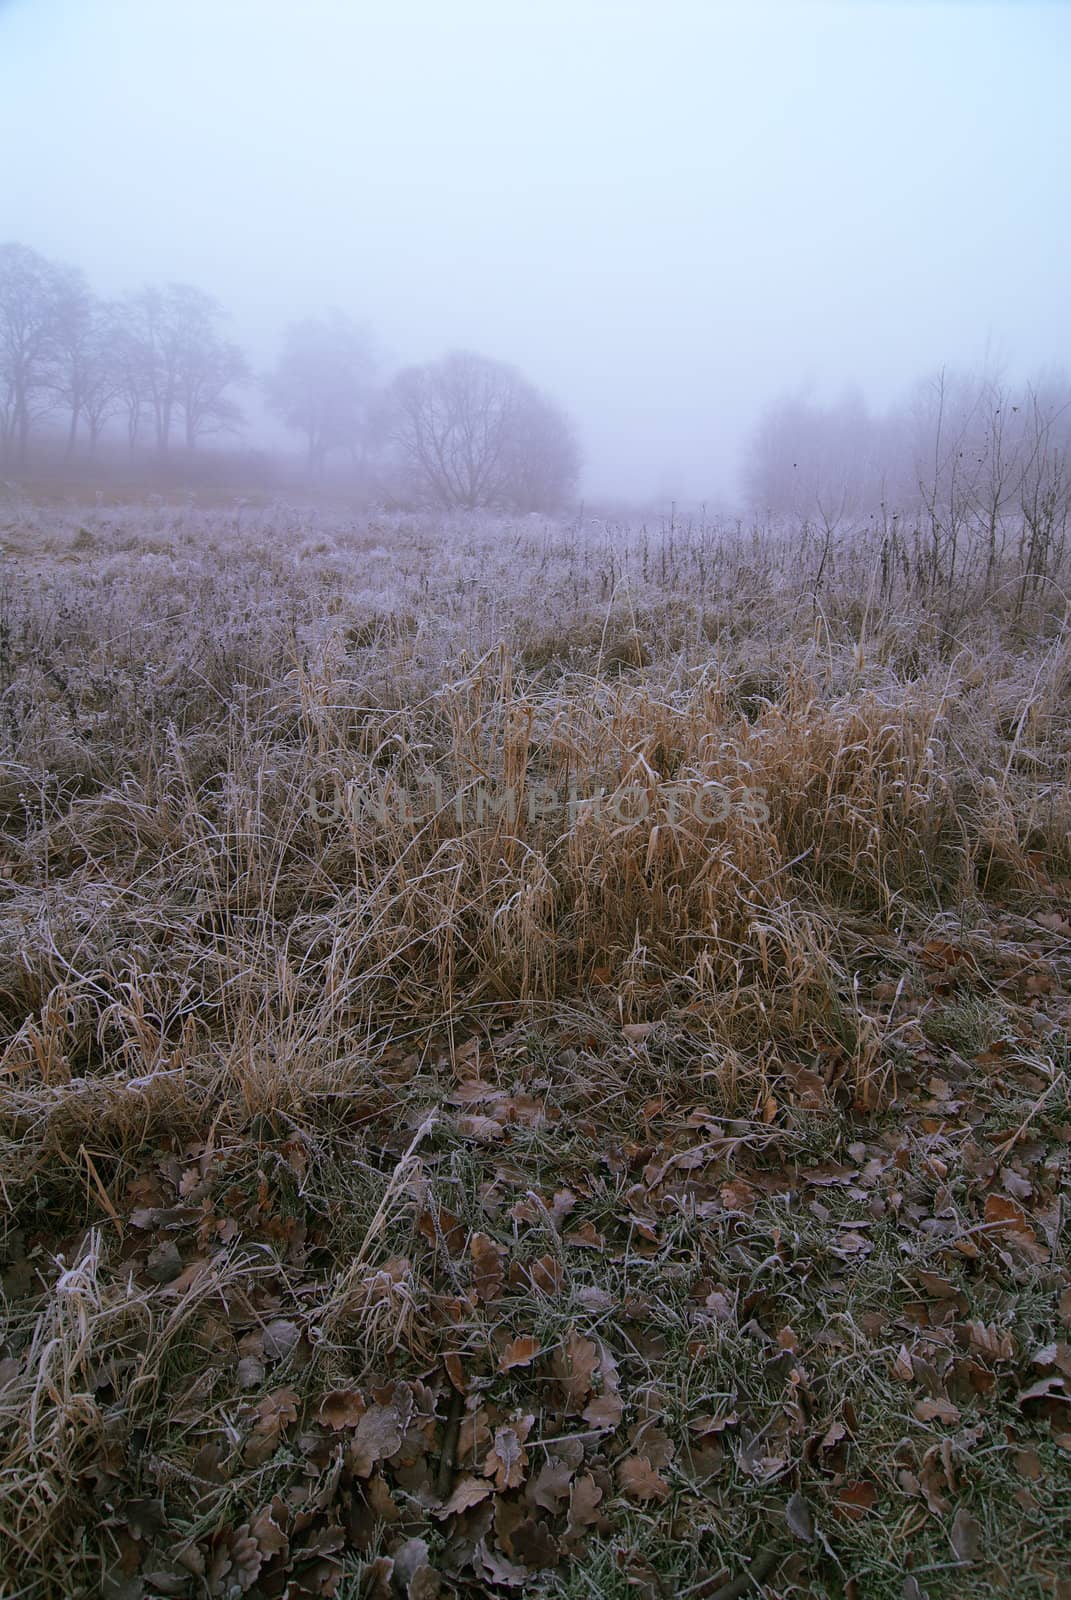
144 1518
551 1485
499 1569
274 1414
544 1275
520 1352
1007 1217
652 1442
379 1435
507 1458
585 1237
856 1499
342 1408
467 1492
989 1340
573 1365
279 1338
637 1032
798 1517
903 1368
584 1496
1057 1354
485 1130
376 1579
534 1543
1042 1389
707 1425
487 1269
965 1534
936 1410
638 1480
605 1411
413 1572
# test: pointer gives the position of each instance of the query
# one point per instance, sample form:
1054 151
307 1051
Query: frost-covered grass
271 1063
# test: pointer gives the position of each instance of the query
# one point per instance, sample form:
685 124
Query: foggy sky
664 212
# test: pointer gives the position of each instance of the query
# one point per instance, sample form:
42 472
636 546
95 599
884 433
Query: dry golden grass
217 993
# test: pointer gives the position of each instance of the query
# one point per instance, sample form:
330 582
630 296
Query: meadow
533 1057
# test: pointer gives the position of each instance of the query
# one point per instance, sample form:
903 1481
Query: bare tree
473 433
87 362
1045 484
175 361
152 357
32 292
209 367
321 386
827 463
102 375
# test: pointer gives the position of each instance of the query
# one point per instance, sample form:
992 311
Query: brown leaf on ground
552 1484
936 1410
273 1415
499 1569
441 1226
544 1275
585 1237
342 1408
937 1475
520 1352
1009 1221
738 1195
279 1338
1057 1354
507 1457
379 1434
637 1032
707 1425
652 1442
534 1544
376 1578
856 1499
989 1340
573 1365
484 1130
604 1411
584 1497
638 1480
798 1517
966 1535
903 1368
473 1435
487 1266
467 1492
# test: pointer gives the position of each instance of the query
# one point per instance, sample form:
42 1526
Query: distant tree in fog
86 367
321 386
994 460
33 294
471 433
174 362
826 462
101 376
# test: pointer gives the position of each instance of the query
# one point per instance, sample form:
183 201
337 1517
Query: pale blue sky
665 213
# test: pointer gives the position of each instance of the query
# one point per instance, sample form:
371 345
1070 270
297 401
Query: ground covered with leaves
624 1200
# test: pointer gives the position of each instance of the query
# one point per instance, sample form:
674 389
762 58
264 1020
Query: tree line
157 369
971 458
